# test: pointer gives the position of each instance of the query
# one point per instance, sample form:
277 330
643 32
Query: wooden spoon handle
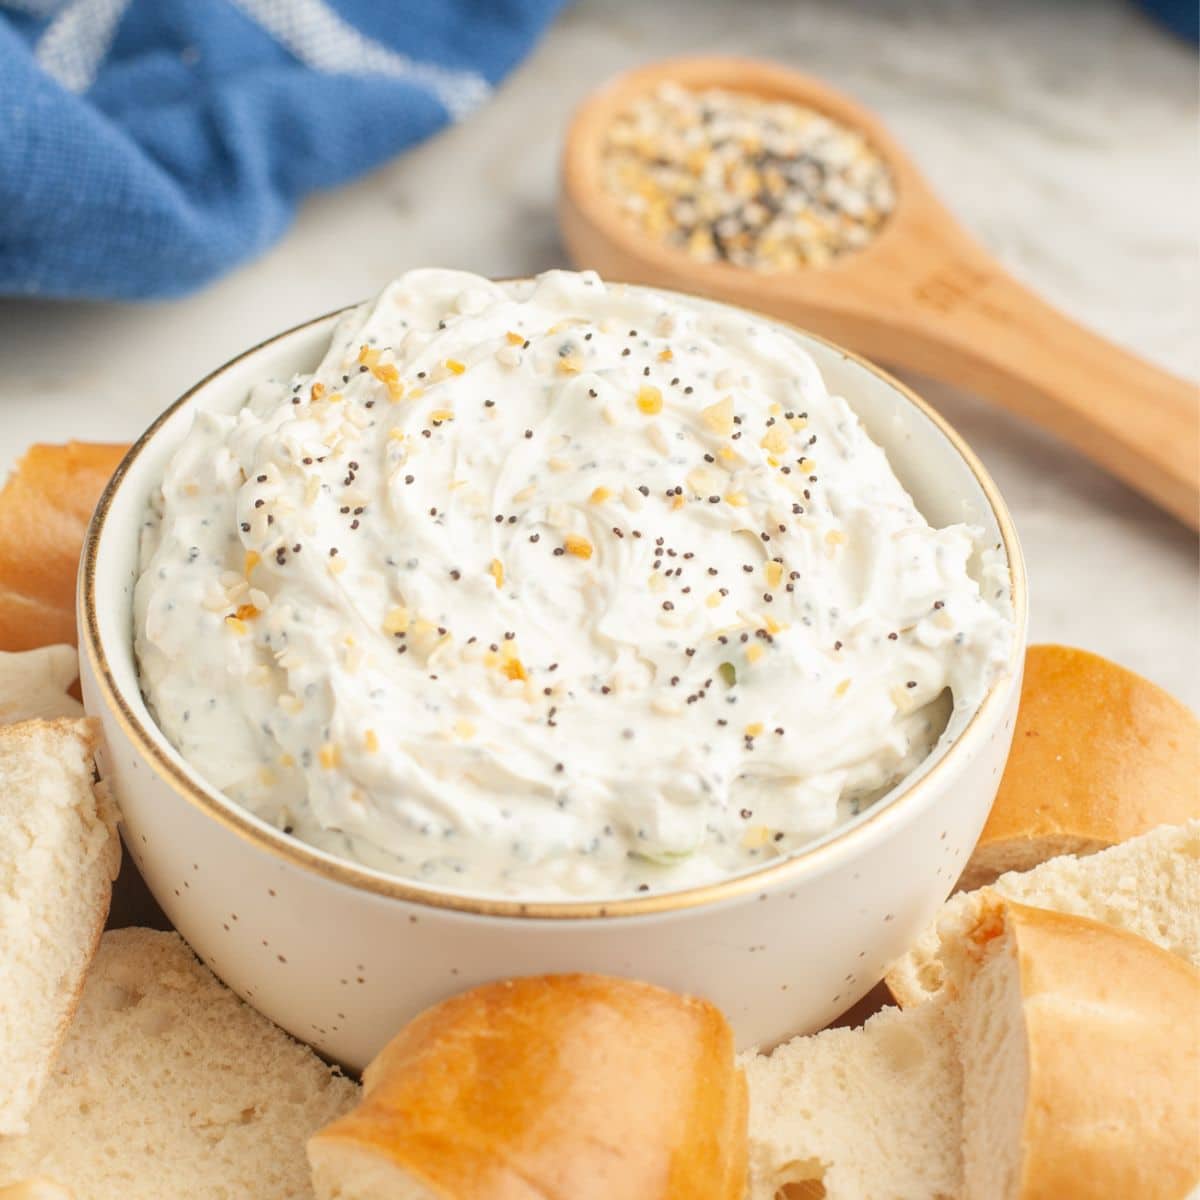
970 323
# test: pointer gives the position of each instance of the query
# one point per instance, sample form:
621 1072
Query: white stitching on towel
320 38
76 41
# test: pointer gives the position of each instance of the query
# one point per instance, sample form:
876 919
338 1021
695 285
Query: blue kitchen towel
146 146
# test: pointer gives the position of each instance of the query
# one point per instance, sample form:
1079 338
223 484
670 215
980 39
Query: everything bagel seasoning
730 177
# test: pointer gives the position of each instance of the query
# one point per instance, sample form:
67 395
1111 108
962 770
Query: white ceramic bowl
341 955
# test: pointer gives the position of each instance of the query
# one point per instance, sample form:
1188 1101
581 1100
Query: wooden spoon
922 294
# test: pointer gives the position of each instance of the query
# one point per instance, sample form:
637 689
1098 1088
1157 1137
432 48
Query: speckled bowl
341 955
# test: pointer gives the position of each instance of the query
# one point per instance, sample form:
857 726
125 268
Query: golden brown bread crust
45 508
1113 1030
566 1087
1099 755
35 1189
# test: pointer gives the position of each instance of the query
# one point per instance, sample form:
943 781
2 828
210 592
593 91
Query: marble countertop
1063 134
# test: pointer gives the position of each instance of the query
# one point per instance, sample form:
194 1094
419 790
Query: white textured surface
1063 134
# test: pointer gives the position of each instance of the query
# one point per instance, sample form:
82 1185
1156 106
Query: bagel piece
560 1087
1099 755
45 507
1064 1061
1080 1048
847 1114
59 855
1149 885
168 1087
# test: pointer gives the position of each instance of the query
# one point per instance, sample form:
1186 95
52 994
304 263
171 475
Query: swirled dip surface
554 589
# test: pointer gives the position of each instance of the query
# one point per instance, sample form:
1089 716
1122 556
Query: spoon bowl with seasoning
751 183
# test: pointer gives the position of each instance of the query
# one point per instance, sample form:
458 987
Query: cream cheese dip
555 589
